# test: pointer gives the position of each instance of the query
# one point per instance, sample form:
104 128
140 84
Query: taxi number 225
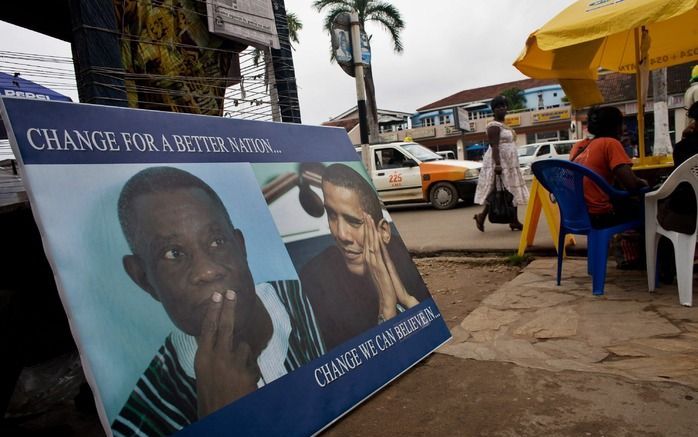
395 179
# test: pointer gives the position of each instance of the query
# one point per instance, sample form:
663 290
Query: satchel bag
502 209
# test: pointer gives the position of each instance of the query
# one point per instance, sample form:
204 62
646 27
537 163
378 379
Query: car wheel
443 195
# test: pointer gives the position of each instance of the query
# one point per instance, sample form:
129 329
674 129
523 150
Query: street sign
250 21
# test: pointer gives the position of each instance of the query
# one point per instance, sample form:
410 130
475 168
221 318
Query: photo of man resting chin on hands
367 275
232 335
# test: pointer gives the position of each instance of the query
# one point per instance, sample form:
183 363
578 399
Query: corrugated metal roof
347 123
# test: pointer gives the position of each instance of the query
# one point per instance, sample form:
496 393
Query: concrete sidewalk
532 322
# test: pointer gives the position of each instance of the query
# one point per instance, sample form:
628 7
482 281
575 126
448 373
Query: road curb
493 253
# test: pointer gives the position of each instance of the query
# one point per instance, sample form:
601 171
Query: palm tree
515 98
377 11
294 26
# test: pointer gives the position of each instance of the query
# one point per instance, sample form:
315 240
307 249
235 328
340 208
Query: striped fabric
164 399
305 343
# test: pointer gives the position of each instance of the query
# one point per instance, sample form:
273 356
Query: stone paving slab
532 322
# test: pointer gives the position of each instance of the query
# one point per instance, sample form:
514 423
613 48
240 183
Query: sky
449 46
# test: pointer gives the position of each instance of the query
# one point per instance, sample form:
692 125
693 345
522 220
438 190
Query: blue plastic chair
564 179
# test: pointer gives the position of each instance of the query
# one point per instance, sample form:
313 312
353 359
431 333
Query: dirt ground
450 396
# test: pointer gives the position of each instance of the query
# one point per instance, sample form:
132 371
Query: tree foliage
383 13
387 17
515 98
294 26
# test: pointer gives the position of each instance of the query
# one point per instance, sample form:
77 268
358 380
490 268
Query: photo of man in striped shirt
233 336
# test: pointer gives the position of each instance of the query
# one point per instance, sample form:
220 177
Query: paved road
425 229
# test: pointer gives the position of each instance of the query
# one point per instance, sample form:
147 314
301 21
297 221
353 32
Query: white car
537 151
447 154
409 172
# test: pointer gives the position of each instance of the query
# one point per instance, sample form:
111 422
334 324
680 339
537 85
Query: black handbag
501 202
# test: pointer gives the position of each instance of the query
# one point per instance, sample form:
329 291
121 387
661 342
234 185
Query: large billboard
220 275
170 59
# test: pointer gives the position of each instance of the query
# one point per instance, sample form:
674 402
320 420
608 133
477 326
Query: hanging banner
461 119
512 120
342 44
170 59
199 262
552 115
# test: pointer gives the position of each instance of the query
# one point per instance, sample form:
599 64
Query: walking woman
500 159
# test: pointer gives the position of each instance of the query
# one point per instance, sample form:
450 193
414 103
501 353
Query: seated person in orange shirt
604 154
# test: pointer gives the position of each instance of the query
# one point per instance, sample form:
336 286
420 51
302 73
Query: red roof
484 93
615 87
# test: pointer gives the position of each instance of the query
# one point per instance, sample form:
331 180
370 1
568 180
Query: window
420 152
544 150
541 137
526 151
390 158
428 122
563 148
445 119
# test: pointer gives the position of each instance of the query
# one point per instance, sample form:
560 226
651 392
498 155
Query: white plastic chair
684 244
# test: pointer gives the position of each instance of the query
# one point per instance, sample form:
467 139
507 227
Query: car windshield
422 153
527 151
563 148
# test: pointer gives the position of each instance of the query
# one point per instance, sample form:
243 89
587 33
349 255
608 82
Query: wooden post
539 200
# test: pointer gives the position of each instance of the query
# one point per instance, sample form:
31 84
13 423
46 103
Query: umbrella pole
640 98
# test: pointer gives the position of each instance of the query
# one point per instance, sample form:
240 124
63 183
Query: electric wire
252 90
252 93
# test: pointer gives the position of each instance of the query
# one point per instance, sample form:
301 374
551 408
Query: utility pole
360 86
284 73
662 140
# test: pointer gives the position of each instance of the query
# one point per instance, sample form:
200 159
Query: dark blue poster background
69 133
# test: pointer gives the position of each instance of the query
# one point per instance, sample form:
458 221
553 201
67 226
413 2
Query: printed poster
171 61
219 275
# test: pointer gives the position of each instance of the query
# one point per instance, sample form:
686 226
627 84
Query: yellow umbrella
617 35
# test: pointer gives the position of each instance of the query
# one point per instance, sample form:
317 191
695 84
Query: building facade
389 122
458 122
